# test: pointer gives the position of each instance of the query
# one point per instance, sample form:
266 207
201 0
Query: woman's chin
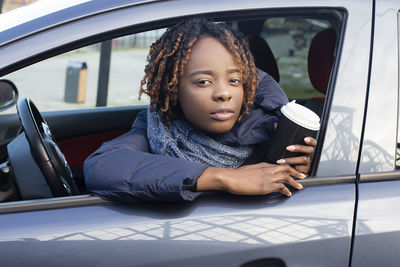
219 128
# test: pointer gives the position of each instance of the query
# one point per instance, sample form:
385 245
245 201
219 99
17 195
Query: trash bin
76 81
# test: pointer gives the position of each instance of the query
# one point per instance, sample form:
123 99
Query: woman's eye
235 81
203 82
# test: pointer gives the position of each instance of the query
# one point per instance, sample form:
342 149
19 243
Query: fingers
283 179
287 179
284 190
306 149
301 163
302 160
302 168
301 149
310 141
288 170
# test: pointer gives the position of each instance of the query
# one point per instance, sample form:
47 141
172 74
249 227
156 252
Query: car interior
313 43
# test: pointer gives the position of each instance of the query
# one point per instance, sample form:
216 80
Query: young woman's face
211 89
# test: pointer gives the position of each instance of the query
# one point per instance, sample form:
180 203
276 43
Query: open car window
292 49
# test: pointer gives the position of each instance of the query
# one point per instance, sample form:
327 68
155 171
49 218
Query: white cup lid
301 115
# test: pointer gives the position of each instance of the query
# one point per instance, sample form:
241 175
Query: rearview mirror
8 94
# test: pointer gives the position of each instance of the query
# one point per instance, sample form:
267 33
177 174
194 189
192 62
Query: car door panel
377 238
77 149
80 132
71 123
214 230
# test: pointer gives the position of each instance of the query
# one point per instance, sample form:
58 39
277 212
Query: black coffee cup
296 123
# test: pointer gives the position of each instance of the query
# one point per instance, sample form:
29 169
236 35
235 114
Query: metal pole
1 6
104 73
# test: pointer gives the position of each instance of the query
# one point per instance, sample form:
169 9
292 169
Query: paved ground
44 82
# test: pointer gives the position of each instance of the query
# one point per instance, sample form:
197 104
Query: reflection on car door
310 228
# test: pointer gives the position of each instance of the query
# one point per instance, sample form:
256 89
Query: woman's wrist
212 178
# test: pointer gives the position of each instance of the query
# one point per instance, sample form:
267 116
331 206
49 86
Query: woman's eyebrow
209 72
233 71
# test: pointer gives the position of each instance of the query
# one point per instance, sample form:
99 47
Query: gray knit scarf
180 140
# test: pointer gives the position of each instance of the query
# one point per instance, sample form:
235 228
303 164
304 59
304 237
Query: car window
71 80
297 52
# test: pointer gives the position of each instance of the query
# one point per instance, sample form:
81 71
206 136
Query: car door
313 227
377 229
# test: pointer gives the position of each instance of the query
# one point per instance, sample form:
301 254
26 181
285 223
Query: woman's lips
222 114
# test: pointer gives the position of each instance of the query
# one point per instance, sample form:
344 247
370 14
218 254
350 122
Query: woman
207 126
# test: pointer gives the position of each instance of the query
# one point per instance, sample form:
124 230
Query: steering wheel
45 151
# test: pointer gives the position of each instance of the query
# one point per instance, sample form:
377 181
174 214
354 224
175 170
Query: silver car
79 61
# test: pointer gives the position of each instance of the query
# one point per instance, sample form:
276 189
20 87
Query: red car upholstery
77 149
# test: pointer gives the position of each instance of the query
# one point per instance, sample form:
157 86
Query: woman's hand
256 179
301 163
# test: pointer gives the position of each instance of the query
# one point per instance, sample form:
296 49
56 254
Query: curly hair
169 55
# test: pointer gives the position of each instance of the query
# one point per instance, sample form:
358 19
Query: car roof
45 14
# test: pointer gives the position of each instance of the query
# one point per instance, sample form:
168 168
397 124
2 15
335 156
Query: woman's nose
221 93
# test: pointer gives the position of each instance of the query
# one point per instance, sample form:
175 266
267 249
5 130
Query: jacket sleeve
124 170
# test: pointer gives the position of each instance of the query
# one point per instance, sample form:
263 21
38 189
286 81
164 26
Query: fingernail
281 161
300 187
291 148
302 175
290 194
307 139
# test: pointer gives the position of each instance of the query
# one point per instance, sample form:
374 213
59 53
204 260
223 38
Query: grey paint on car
316 226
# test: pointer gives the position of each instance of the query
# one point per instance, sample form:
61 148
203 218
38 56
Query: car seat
263 56
320 62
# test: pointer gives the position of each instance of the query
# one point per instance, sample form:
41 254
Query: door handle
269 262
